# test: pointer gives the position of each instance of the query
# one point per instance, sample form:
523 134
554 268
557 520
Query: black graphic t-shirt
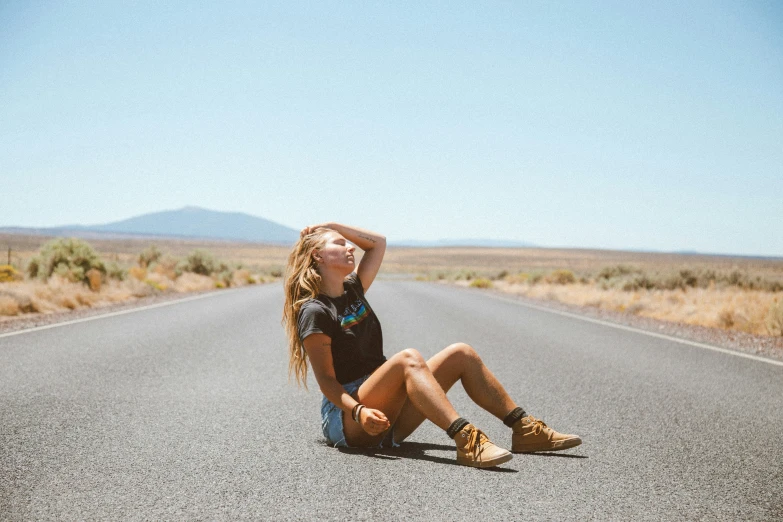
357 340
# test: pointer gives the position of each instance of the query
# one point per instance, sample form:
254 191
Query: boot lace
537 425
476 440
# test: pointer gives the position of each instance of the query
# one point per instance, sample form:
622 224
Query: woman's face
336 254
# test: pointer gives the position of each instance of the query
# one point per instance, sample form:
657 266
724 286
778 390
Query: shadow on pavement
417 451
552 454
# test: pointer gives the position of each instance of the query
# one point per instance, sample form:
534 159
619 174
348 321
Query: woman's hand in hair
312 228
373 421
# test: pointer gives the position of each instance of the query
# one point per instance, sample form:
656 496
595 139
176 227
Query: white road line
112 314
638 330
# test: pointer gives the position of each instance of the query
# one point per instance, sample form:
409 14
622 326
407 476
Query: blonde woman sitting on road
373 401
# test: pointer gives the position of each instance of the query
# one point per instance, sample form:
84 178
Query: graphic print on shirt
353 315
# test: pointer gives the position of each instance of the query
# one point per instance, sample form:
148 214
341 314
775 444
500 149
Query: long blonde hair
302 283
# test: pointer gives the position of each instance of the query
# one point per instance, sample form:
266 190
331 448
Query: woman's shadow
418 451
414 450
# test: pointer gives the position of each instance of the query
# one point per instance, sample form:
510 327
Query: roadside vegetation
730 293
728 299
68 273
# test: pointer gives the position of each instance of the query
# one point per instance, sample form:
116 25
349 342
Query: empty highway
184 411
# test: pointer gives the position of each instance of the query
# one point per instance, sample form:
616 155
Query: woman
369 400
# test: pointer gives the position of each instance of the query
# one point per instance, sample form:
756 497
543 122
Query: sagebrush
69 258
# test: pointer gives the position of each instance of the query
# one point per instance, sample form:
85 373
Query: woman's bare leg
405 378
459 362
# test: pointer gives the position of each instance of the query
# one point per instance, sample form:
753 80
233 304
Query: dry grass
266 260
59 294
8 305
716 291
9 273
732 293
429 262
481 283
491 262
774 319
727 308
159 273
190 282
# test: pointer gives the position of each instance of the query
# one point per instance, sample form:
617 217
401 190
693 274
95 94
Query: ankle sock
456 426
513 416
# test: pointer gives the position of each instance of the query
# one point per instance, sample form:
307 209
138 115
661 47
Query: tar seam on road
111 314
637 330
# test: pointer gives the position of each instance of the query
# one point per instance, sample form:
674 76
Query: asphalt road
184 412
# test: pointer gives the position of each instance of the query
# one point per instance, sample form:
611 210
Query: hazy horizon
610 125
446 242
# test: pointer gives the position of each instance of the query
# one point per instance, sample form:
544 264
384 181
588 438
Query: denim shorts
332 420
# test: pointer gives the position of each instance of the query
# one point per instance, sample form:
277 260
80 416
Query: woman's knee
461 351
411 359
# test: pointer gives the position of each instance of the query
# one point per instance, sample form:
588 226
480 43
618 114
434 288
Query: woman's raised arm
372 243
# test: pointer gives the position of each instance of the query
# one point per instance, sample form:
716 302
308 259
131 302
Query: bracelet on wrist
354 412
358 418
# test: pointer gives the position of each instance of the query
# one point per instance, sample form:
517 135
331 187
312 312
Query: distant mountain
201 223
475 242
187 222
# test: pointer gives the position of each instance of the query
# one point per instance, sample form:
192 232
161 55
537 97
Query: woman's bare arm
372 243
319 351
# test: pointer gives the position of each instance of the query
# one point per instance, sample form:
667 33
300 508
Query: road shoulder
764 346
37 320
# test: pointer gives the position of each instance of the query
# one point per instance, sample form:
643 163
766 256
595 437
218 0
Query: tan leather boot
475 449
530 434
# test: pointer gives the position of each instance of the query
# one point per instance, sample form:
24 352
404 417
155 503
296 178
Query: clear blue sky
624 125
